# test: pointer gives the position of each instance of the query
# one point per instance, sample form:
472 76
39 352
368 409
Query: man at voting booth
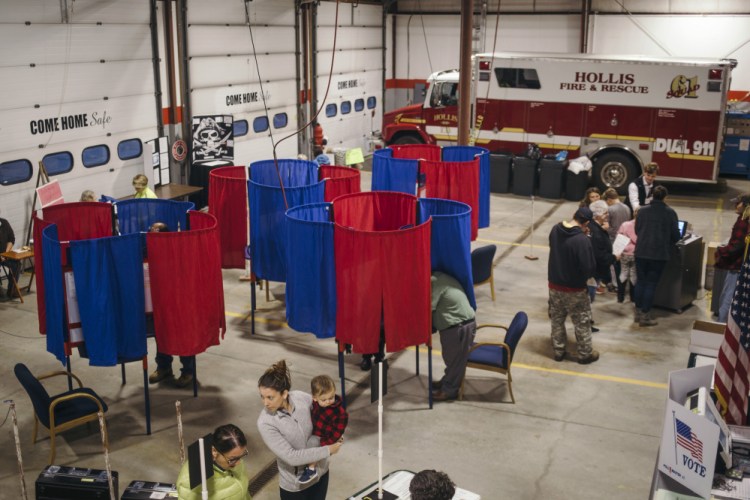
730 256
7 240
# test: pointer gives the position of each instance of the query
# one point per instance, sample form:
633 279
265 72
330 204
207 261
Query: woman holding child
286 427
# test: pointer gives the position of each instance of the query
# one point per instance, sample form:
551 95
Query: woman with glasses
286 428
230 480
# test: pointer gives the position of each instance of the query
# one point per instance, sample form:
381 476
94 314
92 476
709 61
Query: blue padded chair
498 356
481 267
63 411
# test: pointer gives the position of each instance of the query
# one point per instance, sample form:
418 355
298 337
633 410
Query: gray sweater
289 436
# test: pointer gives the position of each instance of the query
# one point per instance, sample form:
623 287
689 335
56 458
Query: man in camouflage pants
571 263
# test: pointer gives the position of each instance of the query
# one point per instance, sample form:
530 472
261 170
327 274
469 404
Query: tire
408 139
615 170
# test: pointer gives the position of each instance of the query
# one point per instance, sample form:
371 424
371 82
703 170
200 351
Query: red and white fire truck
623 112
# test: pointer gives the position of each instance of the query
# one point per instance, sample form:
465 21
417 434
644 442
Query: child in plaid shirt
329 418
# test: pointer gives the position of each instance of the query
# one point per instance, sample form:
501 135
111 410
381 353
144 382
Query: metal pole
180 436
380 430
464 75
105 445
18 449
531 255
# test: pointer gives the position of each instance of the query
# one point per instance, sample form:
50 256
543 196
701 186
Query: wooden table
19 257
171 191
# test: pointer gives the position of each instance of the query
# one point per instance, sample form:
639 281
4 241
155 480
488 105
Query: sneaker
160 375
185 380
559 356
307 475
647 320
589 359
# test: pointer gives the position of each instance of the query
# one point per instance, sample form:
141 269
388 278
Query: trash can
551 178
524 175
500 172
576 184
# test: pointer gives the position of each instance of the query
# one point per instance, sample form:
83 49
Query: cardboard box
706 338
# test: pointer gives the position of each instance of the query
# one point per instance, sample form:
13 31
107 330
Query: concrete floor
575 431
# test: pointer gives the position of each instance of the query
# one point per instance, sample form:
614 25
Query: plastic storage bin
524 175
551 178
501 165
575 185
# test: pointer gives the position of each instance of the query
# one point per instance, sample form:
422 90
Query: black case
551 178
524 175
501 165
142 490
57 482
576 185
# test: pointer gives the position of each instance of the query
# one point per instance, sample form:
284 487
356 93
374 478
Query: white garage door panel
35 11
351 86
57 44
121 11
25 86
242 98
354 37
121 115
233 12
368 15
219 71
350 61
213 40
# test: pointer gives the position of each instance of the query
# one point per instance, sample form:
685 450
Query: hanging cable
424 34
265 107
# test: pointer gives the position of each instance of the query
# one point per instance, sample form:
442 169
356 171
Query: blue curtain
393 174
450 250
268 225
109 284
136 216
467 153
294 173
54 302
311 270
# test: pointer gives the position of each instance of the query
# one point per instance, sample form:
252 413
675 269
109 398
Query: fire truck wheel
615 170
408 139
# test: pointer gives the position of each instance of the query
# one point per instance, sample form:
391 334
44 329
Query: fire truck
621 111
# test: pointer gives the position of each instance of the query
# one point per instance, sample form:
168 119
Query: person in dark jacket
7 240
571 264
730 256
656 228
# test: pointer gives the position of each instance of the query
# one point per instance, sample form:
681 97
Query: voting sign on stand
689 441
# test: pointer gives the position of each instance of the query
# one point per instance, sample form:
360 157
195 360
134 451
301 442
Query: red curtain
227 201
381 269
341 180
429 152
455 180
186 287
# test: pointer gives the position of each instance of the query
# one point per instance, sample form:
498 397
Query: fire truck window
14 172
58 163
517 78
444 94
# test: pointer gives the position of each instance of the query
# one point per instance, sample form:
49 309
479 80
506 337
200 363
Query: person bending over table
140 183
7 240
230 480
286 427
164 361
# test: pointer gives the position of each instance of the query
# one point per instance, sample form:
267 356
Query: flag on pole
731 382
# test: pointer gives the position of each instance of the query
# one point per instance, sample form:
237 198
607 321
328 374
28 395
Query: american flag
688 440
731 382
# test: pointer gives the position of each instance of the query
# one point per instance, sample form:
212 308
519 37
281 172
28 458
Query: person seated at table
7 240
230 480
431 485
88 195
140 183
164 361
